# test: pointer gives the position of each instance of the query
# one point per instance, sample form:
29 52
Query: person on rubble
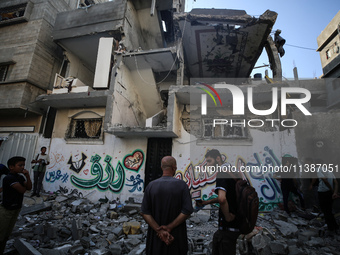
224 239
290 185
39 169
166 206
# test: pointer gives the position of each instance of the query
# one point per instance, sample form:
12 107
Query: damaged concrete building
110 88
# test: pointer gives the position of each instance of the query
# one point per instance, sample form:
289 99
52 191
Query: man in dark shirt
224 240
15 185
166 205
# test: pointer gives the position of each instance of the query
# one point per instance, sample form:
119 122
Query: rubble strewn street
55 224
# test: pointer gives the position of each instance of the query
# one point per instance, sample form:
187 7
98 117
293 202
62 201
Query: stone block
24 247
278 247
132 212
113 215
74 230
294 250
115 249
131 227
77 249
287 229
129 207
118 231
307 235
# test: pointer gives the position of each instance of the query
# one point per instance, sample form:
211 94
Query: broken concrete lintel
24 247
267 17
223 18
36 208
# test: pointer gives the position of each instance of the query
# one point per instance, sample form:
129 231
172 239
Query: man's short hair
213 154
14 160
43 148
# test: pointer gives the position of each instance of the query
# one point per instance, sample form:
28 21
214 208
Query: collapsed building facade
113 93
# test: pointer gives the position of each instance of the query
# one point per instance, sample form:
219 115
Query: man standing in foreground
224 240
166 205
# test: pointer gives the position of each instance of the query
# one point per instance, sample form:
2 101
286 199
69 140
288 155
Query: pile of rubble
53 225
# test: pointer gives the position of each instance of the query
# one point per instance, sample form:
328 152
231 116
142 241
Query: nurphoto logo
239 109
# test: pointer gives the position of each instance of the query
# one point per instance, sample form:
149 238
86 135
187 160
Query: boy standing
14 187
41 161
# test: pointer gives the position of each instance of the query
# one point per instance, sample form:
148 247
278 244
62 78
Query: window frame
222 130
87 140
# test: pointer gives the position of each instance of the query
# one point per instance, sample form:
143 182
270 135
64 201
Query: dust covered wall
266 148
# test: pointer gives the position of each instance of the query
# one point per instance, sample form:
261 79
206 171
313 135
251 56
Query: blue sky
301 22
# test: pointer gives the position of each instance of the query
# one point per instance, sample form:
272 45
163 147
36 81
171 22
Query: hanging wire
305 48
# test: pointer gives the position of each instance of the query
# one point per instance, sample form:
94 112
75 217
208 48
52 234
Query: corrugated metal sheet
19 144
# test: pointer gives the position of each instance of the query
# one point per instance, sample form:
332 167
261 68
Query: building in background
329 48
29 60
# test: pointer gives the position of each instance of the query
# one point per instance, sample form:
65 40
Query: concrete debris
25 247
69 225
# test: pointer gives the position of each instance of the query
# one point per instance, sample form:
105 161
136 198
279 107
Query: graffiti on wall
56 158
196 180
77 162
73 192
268 189
134 161
105 178
201 184
135 182
89 172
53 176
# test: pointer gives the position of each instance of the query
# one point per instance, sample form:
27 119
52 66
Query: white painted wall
71 164
267 147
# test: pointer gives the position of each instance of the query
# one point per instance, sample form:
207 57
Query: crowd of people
167 201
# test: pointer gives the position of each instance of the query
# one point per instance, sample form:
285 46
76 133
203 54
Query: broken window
3 72
12 12
168 26
328 54
15 14
228 130
85 128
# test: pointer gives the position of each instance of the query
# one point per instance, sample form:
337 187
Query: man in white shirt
41 161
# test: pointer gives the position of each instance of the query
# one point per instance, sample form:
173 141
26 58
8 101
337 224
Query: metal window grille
85 128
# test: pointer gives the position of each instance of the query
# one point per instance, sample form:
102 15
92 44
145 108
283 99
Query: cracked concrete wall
128 105
150 29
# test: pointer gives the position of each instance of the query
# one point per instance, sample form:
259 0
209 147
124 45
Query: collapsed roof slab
223 43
